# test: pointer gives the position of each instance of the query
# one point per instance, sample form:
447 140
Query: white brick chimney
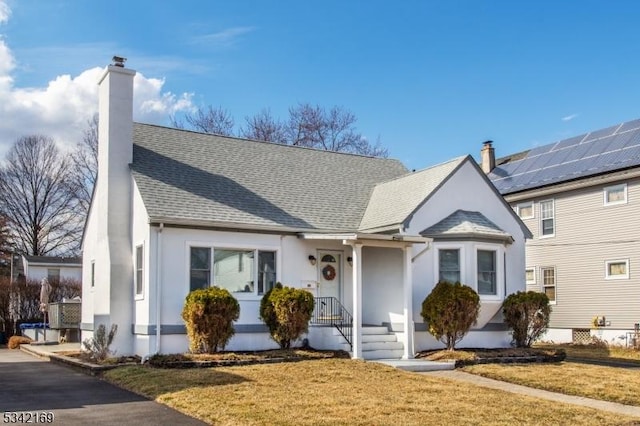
487 157
114 266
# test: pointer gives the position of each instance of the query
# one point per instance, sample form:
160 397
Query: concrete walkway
613 407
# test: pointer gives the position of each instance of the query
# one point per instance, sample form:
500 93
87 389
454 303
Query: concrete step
368 330
418 365
374 346
383 354
390 337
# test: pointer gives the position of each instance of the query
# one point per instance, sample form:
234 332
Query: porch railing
329 311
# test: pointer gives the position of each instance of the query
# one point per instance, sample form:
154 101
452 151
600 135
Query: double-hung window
237 270
449 265
53 275
530 275
547 218
487 284
549 282
139 269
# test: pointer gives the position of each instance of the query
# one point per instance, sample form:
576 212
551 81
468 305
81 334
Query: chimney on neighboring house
487 157
114 272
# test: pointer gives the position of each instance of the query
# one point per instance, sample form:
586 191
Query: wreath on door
329 272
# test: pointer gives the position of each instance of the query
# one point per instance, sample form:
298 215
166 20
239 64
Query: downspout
158 286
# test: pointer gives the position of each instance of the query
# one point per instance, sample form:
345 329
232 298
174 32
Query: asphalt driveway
29 384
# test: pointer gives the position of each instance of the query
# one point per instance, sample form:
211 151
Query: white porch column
407 285
357 301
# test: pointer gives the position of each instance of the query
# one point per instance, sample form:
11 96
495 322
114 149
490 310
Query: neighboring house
580 197
52 267
175 210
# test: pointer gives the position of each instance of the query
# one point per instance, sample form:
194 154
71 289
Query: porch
381 274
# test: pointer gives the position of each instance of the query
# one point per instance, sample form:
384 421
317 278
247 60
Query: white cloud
5 12
223 38
569 117
62 109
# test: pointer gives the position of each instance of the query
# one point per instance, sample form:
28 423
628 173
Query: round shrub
209 314
527 314
286 311
449 311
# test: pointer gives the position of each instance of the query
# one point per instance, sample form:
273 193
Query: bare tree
331 130
263 127
211 120
85 164
39 198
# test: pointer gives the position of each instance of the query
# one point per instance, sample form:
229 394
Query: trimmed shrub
16 341
449 311
287 312
209 314
527 314
98 345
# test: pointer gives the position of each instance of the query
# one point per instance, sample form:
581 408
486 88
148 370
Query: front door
329 274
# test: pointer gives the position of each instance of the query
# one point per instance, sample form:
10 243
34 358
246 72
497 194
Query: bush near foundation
527 313
449 311
287 312
209 315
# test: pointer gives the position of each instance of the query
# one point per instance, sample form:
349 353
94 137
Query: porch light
312 259
350 260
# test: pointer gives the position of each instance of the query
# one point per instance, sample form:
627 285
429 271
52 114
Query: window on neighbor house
547 218
617 269
93 273
616 194
486 260
139 269
449 265
530 275
53 275
238 271
525 210
549 283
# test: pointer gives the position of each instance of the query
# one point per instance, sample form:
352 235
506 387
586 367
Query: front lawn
340 392
599 352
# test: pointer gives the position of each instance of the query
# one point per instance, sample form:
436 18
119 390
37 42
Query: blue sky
432 79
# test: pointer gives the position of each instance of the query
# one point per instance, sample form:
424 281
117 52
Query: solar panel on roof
601 133
599 146
630 125
620 141
540 150
577 152
540 161
569 142
559 157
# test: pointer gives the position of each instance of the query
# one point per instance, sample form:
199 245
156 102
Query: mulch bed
472 356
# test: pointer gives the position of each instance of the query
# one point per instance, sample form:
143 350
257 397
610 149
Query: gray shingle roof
54 260
464 223
191 177
601 151
394 201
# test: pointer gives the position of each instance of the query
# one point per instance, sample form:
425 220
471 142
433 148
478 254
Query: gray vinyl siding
587 234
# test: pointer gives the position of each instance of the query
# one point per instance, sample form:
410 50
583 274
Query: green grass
341 392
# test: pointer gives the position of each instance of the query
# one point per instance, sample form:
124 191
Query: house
55 268
580 197
175 210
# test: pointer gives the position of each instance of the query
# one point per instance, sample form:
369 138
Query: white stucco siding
141 235
382 290
465 190
88 258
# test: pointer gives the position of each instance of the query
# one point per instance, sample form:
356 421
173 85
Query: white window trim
553 217
533 211
616 277
447 246
532 268
92 275
555 282
138 296
231 246
498 249
614 187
